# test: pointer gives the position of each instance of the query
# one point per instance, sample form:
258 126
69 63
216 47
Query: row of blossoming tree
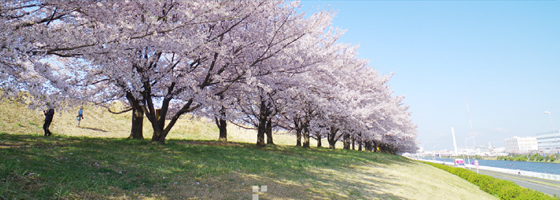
258 64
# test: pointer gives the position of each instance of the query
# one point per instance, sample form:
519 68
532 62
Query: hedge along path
500 188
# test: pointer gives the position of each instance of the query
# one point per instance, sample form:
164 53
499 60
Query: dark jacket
49 115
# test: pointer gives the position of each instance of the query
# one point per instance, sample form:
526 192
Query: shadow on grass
93 129
67 167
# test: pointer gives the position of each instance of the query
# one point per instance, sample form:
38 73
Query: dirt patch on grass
8 145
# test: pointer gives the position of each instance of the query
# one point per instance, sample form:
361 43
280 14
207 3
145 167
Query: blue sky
504 56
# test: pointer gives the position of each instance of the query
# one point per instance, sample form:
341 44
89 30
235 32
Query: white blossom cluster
259 64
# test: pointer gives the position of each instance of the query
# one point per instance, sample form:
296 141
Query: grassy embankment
95 162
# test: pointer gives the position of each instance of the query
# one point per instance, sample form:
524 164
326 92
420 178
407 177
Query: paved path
546 186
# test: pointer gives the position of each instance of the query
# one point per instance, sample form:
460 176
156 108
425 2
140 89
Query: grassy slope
93 162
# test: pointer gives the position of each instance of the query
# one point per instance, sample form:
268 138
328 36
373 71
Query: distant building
482 149
521 145
549 140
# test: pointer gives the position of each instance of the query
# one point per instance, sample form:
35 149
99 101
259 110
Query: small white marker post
256 190
476 164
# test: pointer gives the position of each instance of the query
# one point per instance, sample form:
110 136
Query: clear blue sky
504 56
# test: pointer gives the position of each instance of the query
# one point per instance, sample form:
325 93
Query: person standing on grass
48 119
80 115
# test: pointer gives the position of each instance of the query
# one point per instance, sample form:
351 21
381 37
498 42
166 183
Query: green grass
37 167
62 167
94 161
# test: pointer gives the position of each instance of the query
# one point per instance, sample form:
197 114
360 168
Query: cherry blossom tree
254 63
185 62
287 49
31 31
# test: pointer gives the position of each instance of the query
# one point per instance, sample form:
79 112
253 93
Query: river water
549 168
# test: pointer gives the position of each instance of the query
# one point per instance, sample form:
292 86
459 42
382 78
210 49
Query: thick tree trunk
332 137
137 124
331 144
262 125
368 146
157 117
305 138
269 132
346 141
319 140
360 145
221 123
137 118
298 135
331 140
260 136
222 126
159 133
353 143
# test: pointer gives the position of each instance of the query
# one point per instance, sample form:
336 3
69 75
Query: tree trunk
332 137
305 138
360 145
319 140
346 141
368 146
221 123
157 117
137 118
269 132
158 135
262 125
298 135
222 126
137 124
353 143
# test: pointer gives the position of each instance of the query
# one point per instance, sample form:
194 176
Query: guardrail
555 177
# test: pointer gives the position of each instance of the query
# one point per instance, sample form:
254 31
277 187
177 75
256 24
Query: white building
549 140
521 145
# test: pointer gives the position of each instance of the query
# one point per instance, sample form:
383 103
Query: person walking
80 115
48 119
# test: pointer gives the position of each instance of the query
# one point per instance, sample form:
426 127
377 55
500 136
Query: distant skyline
504 56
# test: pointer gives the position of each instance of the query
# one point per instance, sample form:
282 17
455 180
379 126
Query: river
549 168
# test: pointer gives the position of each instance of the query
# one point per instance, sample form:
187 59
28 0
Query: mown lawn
38 167
62 167
94 161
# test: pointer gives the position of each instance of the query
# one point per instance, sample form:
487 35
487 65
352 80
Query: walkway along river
549 168
518 172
